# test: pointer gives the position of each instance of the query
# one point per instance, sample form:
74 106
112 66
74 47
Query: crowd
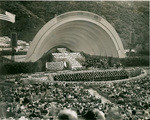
95 75
45 100
42 100
132 97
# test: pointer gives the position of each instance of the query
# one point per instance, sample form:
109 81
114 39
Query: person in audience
47 100
67 115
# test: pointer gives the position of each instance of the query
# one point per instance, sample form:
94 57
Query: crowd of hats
95 75
98 75
132 97
45 101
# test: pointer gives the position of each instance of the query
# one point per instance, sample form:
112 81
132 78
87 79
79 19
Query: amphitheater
79 31
119 93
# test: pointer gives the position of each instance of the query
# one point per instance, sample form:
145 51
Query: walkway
97 95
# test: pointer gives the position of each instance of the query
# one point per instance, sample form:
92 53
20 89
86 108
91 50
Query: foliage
9 52
135 61
91 60
132 61
124 16
15 68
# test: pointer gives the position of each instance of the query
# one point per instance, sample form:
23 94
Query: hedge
18 67
9 52
139 60
134 72
132 61
128 61
29 67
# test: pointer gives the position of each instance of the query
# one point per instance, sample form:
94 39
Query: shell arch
78 31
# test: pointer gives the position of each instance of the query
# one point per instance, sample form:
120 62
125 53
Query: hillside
124 16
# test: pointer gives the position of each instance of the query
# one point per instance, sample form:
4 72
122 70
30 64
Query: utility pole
13 45
131 44
11 18
132 37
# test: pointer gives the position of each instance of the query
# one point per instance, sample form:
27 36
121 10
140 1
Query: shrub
131 61
128 61
18 67
9 52
135 61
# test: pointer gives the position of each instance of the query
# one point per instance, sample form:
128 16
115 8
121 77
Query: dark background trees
124 17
